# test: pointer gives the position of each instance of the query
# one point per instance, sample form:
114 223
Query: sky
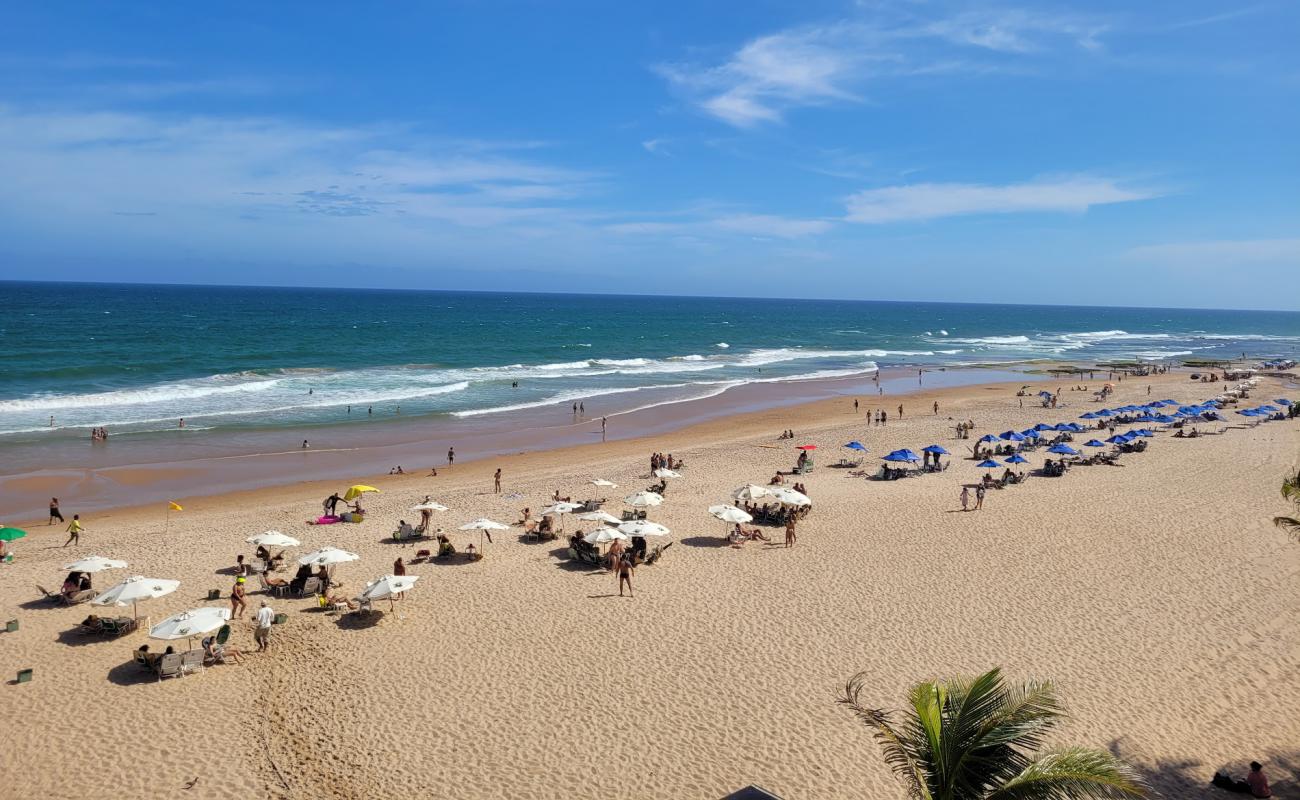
1109 153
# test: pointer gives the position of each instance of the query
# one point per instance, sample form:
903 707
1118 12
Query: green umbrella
9 534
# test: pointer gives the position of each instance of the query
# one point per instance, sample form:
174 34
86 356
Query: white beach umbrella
667 473
604 536
429 505
134 589
644 499
599 516
751 492
188 624
731 514
789 497
94 564
273 539
483 524
327 556
561 508
604 484
388 586
641 527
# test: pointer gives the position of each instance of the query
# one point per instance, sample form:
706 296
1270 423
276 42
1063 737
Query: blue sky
1108 153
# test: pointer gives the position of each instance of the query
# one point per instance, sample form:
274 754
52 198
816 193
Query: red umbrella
806 447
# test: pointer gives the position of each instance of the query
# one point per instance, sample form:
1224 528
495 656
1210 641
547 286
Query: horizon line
632 294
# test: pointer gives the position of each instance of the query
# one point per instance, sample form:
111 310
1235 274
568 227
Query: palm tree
964 739
1290 491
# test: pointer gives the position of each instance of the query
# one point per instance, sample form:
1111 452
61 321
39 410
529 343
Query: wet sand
157 468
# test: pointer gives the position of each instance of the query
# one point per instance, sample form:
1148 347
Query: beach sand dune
1157 595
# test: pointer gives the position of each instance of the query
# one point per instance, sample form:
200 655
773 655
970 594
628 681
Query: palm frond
1289 524
900 747
1073 774
1291 488
1007 740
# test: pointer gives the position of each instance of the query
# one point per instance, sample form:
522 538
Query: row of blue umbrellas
901 456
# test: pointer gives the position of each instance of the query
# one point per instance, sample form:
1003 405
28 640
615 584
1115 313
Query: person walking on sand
900 410
238 598
965 498
979 497
936 408
625 572
789 532
603 422
74 531
451 456
496 481
55 513
855 405
262 634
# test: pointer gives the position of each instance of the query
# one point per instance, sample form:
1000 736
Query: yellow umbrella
357 491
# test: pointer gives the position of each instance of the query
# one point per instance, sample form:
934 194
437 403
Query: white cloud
767 226
656 146
923 201
817 65
1222 253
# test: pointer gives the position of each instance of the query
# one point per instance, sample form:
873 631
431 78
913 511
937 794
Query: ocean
137 358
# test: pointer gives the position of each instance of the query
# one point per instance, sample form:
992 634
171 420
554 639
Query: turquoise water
137 358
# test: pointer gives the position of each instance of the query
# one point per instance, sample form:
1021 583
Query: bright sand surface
1158 596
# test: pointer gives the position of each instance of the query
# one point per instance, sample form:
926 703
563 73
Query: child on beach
74 531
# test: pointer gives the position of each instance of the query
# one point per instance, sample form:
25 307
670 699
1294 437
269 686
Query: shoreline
420 444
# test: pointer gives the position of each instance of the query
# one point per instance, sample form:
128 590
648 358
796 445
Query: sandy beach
1158 596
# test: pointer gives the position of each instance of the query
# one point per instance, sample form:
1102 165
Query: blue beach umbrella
988 463
1089 415
1248 412
1011 436
1068 427
1043 426
1270 409
1121 438
856 445
1094 443
1029 433
1143 432
902 455
1017 459
1169 402
988 437
1063 450
1283 401
936 450
1105 412
1165 418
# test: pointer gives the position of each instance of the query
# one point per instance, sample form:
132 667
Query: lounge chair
191 661
310 587
169 666
142 660
77 598
273 589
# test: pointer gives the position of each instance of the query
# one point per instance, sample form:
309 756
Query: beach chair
191 661
141 659
169 666
53 597
77 598
310 587
275 590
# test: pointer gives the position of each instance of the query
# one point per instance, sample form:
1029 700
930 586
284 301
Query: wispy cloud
831 63
1214 19
764 226
656 146
1222 253
923 201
